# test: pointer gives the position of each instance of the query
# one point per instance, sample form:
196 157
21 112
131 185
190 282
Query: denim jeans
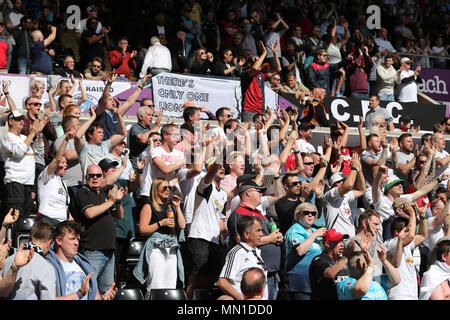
23 65
247 116
272 286
103 264
386 97
361 96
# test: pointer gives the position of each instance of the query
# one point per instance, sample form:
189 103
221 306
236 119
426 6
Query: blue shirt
110 124
297 268
40 60
376 291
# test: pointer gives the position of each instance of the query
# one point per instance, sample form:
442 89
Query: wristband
79 295
354 169
296 152
142 88
5 93
14 267
276 178
159 226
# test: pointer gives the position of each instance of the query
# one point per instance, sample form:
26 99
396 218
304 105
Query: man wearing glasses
95 72
33 105
68 69
94 209
18 151
250 194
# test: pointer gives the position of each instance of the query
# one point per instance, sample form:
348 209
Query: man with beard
406 156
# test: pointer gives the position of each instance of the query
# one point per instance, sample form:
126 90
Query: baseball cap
244 178
251 185
91 8
333 235
405 118
391 181
15 115
337 177
106 163
305 126
405 60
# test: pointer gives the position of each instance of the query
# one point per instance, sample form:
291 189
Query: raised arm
123 109
105 96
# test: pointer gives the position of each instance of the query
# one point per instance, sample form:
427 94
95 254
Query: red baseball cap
333 235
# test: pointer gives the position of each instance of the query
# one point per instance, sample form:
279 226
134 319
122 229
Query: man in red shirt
121 60
252 83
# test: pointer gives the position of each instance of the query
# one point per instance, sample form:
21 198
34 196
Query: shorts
203 257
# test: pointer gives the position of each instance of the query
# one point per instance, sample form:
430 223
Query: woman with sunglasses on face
160 263
303 243
202 63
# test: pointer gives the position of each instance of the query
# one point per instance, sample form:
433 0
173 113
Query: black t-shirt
161 215
285 211
323 288
99 232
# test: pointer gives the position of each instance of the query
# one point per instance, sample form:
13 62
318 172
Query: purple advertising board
436 84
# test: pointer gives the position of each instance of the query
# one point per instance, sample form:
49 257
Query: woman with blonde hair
160 263
303 243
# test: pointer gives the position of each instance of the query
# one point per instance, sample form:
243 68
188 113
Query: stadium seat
168 294
134 250
129 294
23 228
207 294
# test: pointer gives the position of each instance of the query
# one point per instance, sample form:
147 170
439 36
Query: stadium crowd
248 206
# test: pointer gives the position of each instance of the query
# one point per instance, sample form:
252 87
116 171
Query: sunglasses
310 213
95 175
202 53
308 163
276 79
157 139
36 104
296 183
227 116
166 188
96 66
150 105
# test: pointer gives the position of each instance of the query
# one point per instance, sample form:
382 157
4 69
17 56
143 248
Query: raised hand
85 284
11 217
4 249
23 257
110 294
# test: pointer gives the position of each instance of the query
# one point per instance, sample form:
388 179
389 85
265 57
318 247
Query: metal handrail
421 55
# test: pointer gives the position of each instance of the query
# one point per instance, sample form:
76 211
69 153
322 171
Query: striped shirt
239 259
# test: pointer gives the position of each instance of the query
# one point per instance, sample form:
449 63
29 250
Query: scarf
30 245
438 273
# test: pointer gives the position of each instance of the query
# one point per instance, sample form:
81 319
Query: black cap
106 163
405 118
305 126
245 177
251 185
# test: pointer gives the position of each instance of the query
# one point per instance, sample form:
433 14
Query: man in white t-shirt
75 278
436 222
52 191
166 160
305 134
400 252
407 81
18 153
442 157
203 258
339 215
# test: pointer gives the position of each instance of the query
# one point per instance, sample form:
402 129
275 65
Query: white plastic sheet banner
171 91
